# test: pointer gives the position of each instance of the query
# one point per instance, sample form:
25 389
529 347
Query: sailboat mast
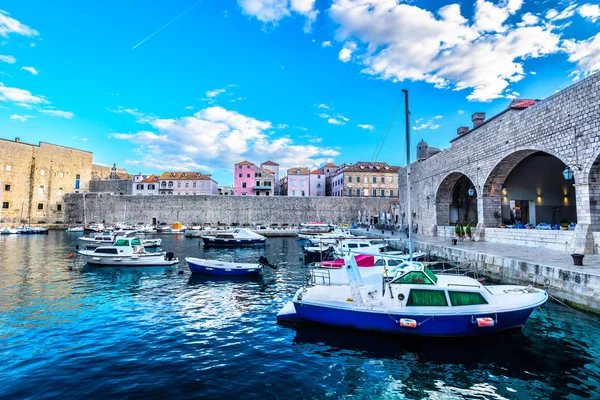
409 208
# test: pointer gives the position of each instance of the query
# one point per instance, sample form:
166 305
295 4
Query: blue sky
300 82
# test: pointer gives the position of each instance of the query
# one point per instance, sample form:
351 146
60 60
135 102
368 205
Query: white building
317 183
144 185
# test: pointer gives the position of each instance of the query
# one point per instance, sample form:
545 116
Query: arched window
170 184
140 187
41 191
60 191
163 184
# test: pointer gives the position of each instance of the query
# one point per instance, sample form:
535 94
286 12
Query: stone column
586 196
486 207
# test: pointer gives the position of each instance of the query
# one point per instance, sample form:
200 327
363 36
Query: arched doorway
529 187
456 201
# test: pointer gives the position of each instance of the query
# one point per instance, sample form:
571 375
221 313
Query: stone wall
103 172
99 207
38 177
121 187
566 125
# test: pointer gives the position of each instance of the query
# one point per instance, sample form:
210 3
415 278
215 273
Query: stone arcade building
535 162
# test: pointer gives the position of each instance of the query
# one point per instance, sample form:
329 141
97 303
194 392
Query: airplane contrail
167 24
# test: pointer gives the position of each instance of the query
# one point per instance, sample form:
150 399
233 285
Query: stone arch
492 191
445 195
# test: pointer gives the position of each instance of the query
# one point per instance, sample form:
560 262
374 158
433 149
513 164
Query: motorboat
75 229
236 237
414 301
127 252
312 228
97 240
94 228
222 268
193 231
31 231
146 242
332 237
346 246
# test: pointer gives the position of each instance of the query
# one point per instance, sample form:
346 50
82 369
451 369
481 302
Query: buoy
71 255
408 323
485 322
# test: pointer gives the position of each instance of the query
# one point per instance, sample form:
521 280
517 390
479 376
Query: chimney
462 130
18 140
478 118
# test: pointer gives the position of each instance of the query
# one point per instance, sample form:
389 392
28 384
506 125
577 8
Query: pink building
298 182
187 183
250 180
317 183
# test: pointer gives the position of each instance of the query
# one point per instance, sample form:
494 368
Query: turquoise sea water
153 333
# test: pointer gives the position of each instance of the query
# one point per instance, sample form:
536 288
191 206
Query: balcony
263 187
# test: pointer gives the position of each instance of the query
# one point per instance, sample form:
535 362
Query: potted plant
462 231
468 231
457 230
564 225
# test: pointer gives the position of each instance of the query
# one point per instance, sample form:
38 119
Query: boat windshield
422 277
121 242
135 242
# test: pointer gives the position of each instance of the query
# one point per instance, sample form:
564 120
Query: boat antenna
409 208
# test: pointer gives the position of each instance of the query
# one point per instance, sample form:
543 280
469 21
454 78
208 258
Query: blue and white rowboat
222 268
415 302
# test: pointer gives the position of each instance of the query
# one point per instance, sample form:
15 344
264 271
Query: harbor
181 333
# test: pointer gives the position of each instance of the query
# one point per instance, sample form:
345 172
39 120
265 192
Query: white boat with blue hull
235 238
223 268
415 302
127 252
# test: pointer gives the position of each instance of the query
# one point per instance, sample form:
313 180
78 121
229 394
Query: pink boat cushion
362 260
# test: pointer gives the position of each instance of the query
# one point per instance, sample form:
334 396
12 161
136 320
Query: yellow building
35 178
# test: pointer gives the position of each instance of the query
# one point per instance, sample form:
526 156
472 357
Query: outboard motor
170 256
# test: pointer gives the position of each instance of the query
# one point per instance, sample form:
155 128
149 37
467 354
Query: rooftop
363 166
294 171
269 163
316 172
330 165
186 176
245 162
150 179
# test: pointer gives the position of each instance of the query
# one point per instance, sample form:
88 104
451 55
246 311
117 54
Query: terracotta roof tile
269 163
316 172
184 176
245 162
150 179
303 171
362 166
330 165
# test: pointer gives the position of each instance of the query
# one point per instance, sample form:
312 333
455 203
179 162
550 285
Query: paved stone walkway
552 258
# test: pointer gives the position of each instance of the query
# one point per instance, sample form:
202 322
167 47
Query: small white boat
95 228
311 228
97 240
127 252
193 231
146 242
234 238
75 229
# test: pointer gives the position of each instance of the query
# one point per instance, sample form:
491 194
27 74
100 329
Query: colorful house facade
187 183
251 180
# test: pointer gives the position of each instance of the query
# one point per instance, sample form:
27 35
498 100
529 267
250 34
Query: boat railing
320 276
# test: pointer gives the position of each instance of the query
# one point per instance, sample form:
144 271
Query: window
41 192
77 180
240 167
349 179
358 179
391 193
426 298
170 184
244 184
466 298
391 180
61 174
140 187
202 184
352 245
303 193
247 166
374 179
267 193
267 183
247 175
40 206
59 207
60 191
151 187
318 176
257 183
240 174
178 184
163 184
194 184
382 179
5 204
301 183
293 192
414 278
297 172
8 167
382 192
350 192
7 188
357 192
293 183
257 193
374 192
43 172
318 185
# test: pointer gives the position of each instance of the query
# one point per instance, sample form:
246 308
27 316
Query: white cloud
324 106
345 54
528 19
281 126
367 127
237 99
339 119
447 51
326 43
430 124
57 113
461 112
31 70
8 59
215 137
189 107
333 121
272 11
554 15
586 53
215 93
21 118
10 25
20 96
590 12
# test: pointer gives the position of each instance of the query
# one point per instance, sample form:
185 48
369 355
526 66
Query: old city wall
39 176
99 207
565 125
